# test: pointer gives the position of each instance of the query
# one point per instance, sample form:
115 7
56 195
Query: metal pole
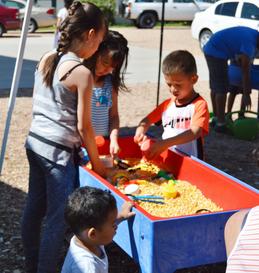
16 79
160 50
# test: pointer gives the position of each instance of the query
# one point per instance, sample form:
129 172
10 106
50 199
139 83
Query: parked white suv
145 13
225 14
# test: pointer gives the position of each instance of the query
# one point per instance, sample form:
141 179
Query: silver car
145 13
40 16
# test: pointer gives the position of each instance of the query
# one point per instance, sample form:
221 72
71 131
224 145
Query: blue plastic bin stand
163 246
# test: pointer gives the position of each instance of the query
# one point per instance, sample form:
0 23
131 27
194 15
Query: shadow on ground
6 74
11 204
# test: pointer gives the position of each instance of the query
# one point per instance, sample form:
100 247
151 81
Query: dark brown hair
67 3
116 45
179 61
81 18
88 207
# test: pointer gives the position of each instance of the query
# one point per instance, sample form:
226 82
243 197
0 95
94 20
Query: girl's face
92 42
104 65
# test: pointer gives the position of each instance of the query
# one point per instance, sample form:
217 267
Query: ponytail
81 18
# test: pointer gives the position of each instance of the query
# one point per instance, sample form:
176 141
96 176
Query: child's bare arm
125 212
84 82
141 130
114 124
159 146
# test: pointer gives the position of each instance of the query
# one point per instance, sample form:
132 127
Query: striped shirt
101 104
245 255
53 133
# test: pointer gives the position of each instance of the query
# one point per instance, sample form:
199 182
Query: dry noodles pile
189 199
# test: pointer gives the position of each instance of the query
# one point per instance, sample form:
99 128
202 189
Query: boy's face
181 85
105 234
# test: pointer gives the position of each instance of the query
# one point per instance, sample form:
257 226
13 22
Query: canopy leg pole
160 50
16 79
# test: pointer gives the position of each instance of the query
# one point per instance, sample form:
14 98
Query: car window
250 11
183 1
227 9
14 4
206 1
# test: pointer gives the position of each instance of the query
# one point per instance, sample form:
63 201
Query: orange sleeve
201 116
156 114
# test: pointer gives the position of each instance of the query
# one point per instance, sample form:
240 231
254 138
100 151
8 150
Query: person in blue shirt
223 46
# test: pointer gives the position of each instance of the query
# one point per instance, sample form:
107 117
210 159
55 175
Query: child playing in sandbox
185 115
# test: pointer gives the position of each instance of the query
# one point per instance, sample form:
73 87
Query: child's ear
90 34
91 233
194 78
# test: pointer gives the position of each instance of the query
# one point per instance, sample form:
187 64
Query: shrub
108 8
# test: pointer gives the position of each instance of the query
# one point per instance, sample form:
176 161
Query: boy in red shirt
184 116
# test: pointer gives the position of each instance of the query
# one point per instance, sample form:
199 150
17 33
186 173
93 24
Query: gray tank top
53 133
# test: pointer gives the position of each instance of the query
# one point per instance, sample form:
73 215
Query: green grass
175 24
122 25
46 29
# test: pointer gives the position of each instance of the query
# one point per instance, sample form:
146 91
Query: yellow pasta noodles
189 199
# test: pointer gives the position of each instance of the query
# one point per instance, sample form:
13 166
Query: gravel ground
236 156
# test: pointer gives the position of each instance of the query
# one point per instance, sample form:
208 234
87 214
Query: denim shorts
218 73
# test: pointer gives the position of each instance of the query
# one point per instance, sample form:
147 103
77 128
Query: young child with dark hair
184 116
92 216
108 66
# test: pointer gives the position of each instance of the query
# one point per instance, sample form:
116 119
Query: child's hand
126 212
114 148
139 135
155 150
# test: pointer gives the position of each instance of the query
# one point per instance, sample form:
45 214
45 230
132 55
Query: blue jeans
49 186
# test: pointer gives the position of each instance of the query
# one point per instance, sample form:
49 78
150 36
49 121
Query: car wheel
135 22
32 26
147 20
1 30
204 38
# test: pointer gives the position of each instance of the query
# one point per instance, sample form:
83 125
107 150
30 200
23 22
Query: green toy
166 176
245 127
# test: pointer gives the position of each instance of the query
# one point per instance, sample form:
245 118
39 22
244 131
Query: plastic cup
131 189
107 161
100 141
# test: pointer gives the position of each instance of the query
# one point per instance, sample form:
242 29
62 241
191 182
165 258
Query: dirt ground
230 155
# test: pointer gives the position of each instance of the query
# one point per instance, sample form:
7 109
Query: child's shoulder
168 101
199 100
165 104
